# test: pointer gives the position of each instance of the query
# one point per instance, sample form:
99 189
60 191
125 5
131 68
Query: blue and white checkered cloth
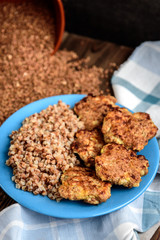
137 86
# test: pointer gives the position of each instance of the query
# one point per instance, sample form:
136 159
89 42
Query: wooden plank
5 200
101 53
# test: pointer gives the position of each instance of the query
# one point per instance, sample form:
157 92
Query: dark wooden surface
101 54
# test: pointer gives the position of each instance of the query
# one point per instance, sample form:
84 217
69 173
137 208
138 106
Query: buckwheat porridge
40 149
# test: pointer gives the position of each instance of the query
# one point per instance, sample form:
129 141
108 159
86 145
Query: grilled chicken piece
80 183
131 130
88 145
120 166
92 109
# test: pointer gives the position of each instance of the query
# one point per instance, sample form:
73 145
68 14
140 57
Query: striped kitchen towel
17 222
137 86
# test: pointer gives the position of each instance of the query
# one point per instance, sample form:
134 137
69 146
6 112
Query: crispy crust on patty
92 109
131 130
88 145
82 184
120 166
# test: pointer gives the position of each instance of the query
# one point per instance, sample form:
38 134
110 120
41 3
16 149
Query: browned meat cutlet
80 183
88 145
120 166
131 130
92 109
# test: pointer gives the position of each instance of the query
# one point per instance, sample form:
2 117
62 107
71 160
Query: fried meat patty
80 183
88 145
131 130
92 109
120 166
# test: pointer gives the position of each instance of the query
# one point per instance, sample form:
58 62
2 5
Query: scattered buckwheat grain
28 72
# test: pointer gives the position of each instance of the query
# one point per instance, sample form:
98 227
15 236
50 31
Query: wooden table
100 52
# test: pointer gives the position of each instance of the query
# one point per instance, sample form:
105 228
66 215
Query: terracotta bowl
59 23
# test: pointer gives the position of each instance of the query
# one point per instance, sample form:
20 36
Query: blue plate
67 209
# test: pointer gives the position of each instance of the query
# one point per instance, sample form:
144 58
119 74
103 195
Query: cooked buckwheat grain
40 150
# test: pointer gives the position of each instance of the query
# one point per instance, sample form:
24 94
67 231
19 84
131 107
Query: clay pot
59 23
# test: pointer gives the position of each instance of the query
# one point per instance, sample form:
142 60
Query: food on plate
133 130
120 166
41 149
43 152
92 109
88 145
79 183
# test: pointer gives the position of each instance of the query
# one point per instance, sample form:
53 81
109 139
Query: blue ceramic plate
67 209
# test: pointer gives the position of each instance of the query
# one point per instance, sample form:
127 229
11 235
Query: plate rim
61 215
